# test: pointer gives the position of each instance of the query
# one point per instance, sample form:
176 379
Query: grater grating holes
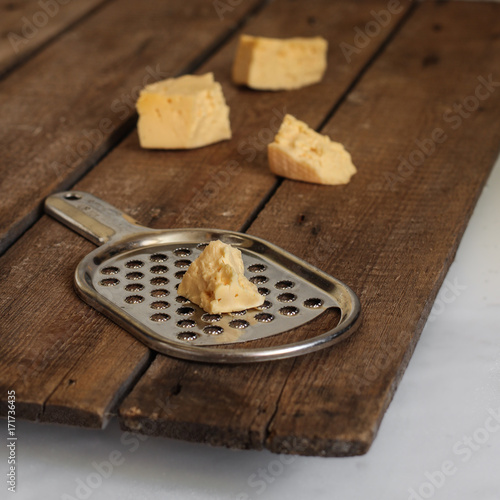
134 299
160 317
213 329
189 318
159 281
239 324
257 268
186 323
140 256
134 287
211 318
134 264
182 263
264 317
313 303
284 284
109 282
265 305
259 280
159 269
286 297
134 276
188 336
160 304
110 270
158 257
185 311
289 311
182 252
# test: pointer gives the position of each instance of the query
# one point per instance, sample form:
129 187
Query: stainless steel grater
132 278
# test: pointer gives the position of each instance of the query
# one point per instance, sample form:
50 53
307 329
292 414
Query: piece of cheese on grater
216 282
279 64
182 113
298 152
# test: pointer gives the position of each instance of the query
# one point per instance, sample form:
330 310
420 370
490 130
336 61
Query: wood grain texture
48 353
27 25
72 102
162 189
207 401
52 345
391 233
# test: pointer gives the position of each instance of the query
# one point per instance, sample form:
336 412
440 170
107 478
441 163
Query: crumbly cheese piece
298 152
183 113
216 282
279 64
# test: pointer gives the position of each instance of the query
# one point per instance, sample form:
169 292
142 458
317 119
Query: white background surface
446 396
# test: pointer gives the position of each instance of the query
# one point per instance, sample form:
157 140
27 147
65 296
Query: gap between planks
323 113
128 126
335 106
16 228
308 103
367 145
219 41
279 181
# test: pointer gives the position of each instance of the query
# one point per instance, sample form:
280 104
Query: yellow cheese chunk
298 152
182 113
279 64
216 282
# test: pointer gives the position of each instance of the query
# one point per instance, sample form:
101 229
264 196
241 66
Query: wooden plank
28 25
232 405
391 233
44 349
155 187
63 110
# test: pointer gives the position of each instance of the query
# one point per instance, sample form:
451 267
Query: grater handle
92 217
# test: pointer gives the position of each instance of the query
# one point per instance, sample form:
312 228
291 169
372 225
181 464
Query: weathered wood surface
391 233
161 189
52 345
26 26
67 106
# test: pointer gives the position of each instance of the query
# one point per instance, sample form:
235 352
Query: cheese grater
133 275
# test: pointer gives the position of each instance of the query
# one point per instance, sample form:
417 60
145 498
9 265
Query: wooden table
411 90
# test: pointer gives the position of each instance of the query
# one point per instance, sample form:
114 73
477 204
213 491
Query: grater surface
144 284
133 278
